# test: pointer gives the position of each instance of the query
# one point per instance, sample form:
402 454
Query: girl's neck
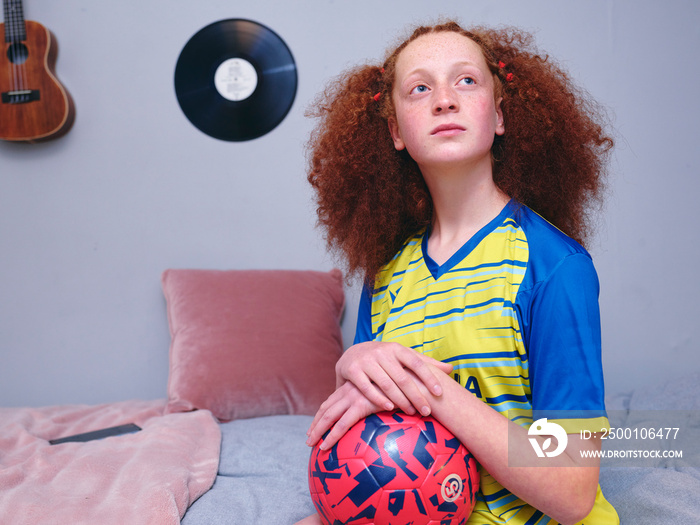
462 205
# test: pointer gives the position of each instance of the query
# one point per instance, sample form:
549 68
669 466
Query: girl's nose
445 100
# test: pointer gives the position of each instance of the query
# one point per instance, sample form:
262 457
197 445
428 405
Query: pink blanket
149 477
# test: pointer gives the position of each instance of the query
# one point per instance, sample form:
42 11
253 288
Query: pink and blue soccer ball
394 469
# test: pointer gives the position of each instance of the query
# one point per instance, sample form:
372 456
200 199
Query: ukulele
34 106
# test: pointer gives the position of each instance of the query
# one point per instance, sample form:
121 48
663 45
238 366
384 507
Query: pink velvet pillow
248 343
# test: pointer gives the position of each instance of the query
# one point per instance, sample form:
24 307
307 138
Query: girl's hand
343 408
386 374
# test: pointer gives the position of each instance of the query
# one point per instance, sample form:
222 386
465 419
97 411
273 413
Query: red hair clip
378 95
502 65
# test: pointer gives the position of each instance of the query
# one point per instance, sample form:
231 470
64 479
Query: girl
456 178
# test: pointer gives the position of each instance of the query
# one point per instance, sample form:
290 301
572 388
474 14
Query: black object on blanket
98 434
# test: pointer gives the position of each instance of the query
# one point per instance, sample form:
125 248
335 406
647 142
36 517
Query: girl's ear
396 134
500 125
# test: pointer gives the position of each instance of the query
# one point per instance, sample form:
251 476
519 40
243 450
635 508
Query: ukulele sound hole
17 53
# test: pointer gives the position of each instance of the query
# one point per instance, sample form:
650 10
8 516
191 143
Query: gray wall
88 222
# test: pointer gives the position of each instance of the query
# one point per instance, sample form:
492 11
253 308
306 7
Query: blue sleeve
564 341
363 332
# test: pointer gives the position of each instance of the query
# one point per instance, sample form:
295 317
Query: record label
235 80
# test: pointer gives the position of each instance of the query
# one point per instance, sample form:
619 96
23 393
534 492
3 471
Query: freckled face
443 95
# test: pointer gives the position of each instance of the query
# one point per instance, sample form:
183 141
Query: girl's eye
420 89
468 80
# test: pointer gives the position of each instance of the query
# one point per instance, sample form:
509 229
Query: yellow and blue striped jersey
515 311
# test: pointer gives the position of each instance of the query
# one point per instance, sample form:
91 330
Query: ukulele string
9 39
13 51
16 53
19 51
8 31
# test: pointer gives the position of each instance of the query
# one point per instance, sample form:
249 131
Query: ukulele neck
15 29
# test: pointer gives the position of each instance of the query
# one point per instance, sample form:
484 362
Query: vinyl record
235 80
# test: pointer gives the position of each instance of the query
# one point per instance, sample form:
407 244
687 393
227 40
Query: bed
252 356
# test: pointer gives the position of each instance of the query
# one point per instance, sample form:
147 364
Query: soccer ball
394 469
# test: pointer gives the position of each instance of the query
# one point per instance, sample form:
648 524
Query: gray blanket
262 476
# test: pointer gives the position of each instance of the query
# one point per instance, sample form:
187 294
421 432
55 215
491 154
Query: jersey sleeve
564 347
363 331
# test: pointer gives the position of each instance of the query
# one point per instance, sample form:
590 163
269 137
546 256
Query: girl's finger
402 390
367 384
348 419
329 411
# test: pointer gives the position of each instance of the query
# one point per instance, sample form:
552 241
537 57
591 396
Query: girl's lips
447 129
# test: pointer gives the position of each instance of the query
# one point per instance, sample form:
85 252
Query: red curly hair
371 197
